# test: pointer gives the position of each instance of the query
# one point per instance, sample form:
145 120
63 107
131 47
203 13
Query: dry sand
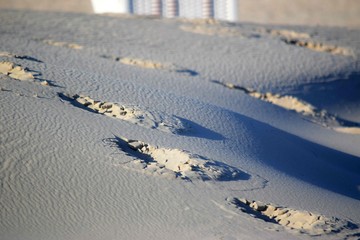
64 164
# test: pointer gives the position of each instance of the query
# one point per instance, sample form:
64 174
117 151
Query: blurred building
219 9
294 12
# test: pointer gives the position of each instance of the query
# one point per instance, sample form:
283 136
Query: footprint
149 64
295 220
210 27
15 71
211 30
321 117
144 63
301 39
7 54
318 47
132 114
175 163
288 34
19 73
63 44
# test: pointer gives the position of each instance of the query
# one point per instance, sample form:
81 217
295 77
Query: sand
132 128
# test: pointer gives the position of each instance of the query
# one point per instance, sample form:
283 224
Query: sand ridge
174 163
296 220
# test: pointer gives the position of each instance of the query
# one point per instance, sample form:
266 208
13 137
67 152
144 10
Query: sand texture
139 128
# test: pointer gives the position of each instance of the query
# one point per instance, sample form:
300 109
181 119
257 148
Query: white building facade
219 9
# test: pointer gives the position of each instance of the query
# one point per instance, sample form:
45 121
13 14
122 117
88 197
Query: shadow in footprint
247 209
189 72
49 82
196 130
121 144
29 59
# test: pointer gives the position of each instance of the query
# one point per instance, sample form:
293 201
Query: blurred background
341 13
